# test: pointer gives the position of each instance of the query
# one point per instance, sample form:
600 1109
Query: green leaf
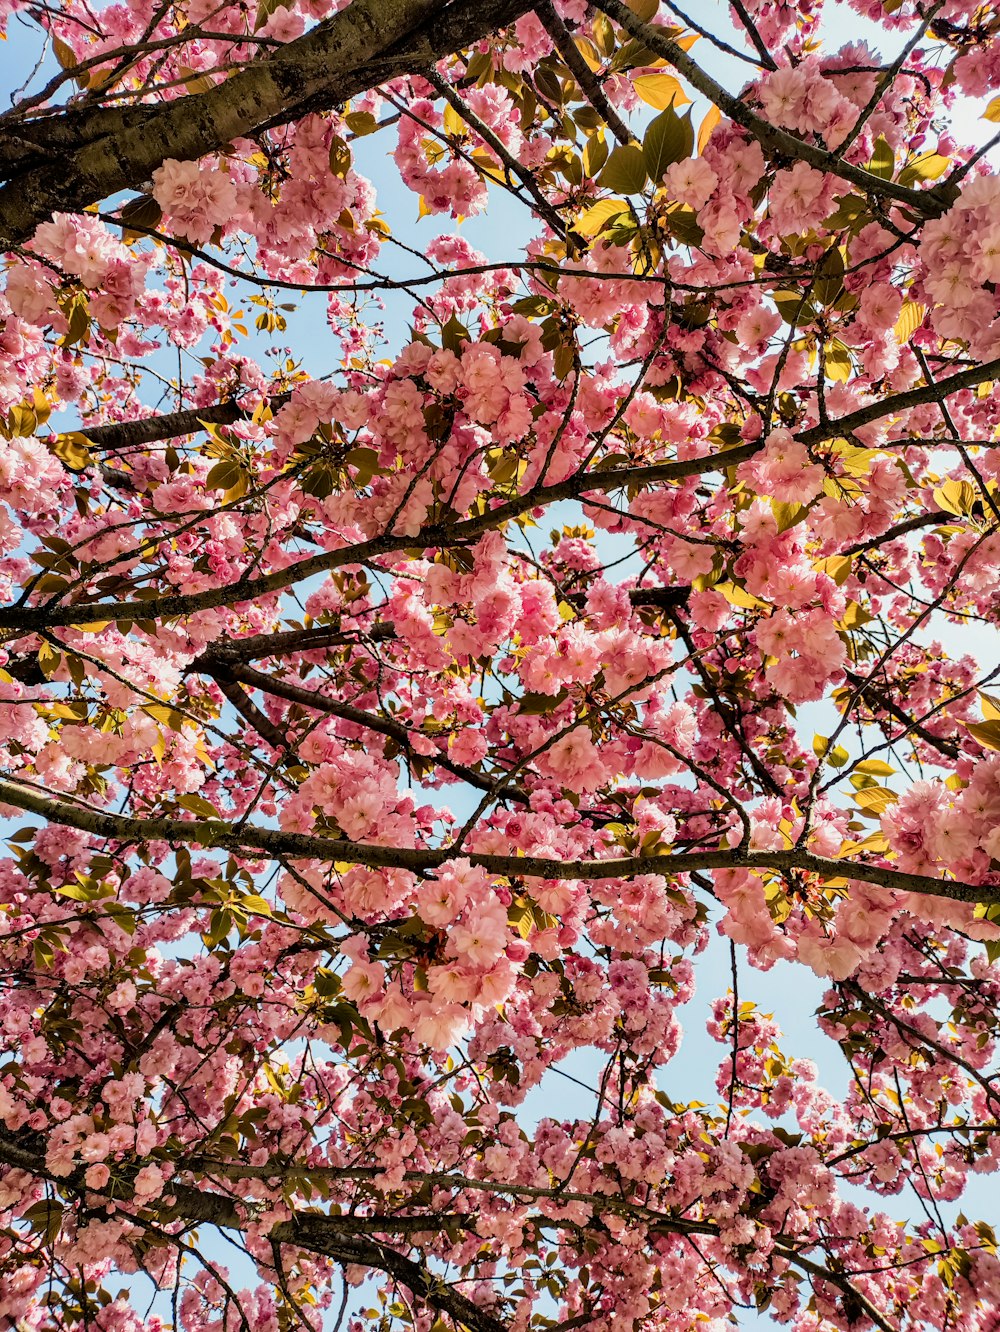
265 10
787 514
625 170
320 480
792 308
166 715
48 660
987 733
196 804
829 276
453 335
927 167
564 360
366 462
668 139
219 927
143 212
533 705
227 475
595 153
84 892
682 222
43 954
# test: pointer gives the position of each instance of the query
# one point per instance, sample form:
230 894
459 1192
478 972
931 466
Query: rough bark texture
104 151
208 833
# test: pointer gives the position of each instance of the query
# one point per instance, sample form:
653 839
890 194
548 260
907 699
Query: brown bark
776 143
303 846
105 151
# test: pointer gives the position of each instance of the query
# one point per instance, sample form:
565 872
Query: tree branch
356 49
562 40
310 698
775 142
303 846
121 435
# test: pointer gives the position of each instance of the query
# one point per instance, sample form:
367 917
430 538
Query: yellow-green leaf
255 905
837 362
360 123
875 799
739 596
987 733
928 167
340 156
453 122
160 712
911 316
956 497
877 843
837 567
48 660
625 170
882 163
668 139
787 514
225 476
72 449
874 768
598 215
595 153
659 90
855 616
836 757
22 420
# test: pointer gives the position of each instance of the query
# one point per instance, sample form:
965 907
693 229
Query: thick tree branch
776 143
352 51
250 712
119 436
303 846
348 1240
589 84
901 402
436 535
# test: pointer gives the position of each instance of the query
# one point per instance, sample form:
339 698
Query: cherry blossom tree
388 733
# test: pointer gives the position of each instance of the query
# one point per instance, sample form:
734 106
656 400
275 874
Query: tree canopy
399 725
